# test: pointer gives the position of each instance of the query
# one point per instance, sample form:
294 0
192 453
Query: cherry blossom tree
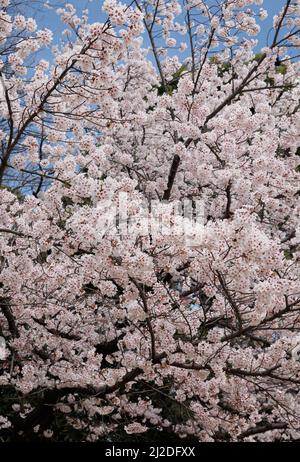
108 332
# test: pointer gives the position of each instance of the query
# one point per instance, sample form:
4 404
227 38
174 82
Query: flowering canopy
109 332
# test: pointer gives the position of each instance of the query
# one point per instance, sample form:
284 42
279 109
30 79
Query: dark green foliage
173 83
288 255
223 68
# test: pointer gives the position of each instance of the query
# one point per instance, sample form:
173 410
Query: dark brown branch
43 414
228 212
244 373
231 301
148 322
12 143
263 428
280 23
171 177
56 332
237 91
11 231
154 49
6 310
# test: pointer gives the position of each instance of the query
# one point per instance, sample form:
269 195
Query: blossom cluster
135 333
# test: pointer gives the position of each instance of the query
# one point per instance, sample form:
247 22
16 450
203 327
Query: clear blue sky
48 18
273 7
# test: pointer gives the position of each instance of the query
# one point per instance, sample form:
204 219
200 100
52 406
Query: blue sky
273 7
48 18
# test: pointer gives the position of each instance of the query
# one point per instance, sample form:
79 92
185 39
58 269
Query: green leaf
224 67
288 254
281 69
180 71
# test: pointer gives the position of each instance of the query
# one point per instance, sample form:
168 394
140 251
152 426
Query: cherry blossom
115 327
